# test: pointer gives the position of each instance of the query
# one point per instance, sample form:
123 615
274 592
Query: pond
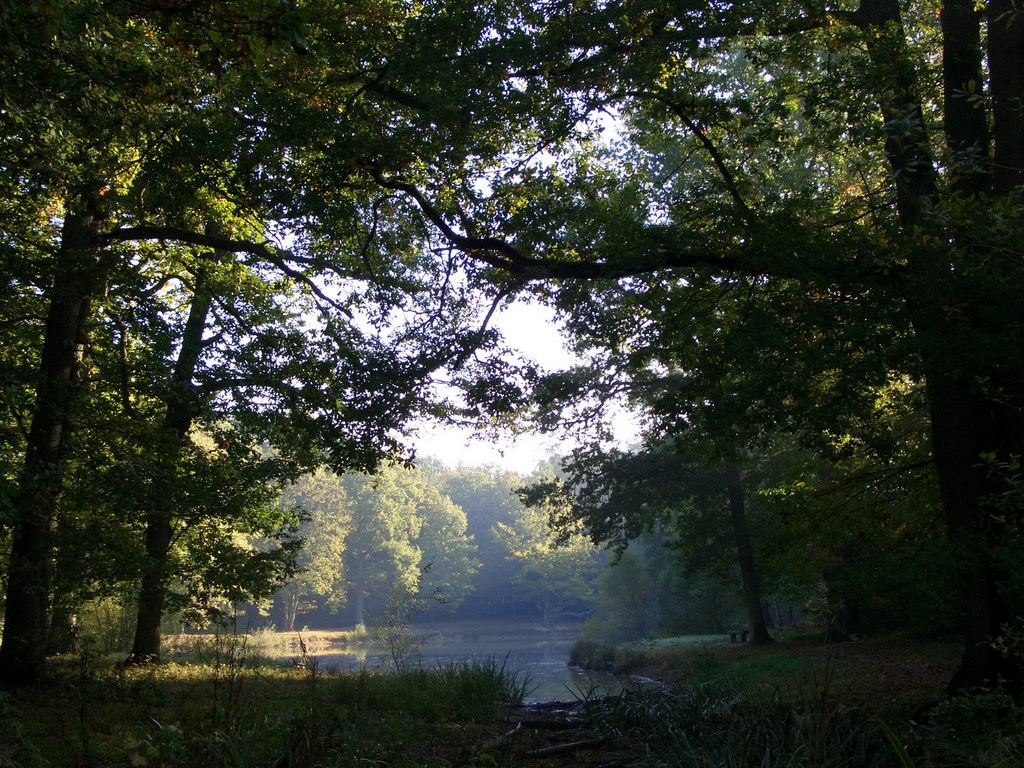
543 657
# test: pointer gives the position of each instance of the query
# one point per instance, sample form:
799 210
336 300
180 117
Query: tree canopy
296 218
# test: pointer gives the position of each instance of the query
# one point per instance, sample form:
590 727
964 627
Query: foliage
231 707
628 605
398 520
319 498
486 496
176 148
463 564
556 573
795 213
801 207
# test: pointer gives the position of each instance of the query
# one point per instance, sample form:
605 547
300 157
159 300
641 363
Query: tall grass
230 708
716 724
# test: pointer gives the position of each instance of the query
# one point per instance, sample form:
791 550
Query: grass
272 643
894 670
864 704
232 708
791 705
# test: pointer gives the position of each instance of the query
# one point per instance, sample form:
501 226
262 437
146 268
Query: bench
738 635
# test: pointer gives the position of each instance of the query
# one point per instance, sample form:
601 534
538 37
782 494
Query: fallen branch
500 741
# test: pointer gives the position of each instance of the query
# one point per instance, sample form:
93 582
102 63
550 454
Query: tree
627 597
557 574
320 498
133 127
447 551
616 497
78 150
846 518
487 498
793 154
379 552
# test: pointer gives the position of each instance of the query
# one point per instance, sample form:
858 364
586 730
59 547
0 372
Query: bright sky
532 330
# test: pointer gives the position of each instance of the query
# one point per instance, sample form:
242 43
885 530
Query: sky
532 330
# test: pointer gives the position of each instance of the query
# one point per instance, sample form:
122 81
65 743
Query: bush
590 654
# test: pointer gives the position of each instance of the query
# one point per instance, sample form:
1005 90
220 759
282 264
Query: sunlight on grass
228 706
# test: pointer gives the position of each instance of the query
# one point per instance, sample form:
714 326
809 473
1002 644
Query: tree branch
503 255
272 255
709 147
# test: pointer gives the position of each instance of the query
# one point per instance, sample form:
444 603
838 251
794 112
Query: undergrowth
718 724
228 706
232 708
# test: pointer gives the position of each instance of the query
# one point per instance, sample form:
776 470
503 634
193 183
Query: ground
896 674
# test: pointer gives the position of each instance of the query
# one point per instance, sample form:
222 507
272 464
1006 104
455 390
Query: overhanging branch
504 256
277 257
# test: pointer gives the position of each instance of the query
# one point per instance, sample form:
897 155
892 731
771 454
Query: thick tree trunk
966 126
966 426
1006 79
24 641
146 644
978 413
974 409
180 411
745 555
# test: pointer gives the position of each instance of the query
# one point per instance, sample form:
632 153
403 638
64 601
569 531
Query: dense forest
460 544
248 245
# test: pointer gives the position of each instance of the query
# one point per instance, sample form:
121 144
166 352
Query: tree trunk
967 135
63 633
965 426
289 607
24 641
745 556
358 606
181 406
1006 78
146 644
974 411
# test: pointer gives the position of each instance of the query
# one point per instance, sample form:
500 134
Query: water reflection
545 662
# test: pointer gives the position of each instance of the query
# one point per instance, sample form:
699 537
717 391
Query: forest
249 247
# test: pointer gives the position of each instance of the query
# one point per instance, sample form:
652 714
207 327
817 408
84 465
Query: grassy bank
894 671
798 702
233 708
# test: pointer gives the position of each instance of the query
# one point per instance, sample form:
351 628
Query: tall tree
138 124
487 498
381 556
558 573
321 500
142 125
777 146
447 551
81 152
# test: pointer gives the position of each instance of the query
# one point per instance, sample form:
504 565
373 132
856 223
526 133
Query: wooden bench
738 635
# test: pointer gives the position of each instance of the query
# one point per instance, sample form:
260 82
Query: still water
544 661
